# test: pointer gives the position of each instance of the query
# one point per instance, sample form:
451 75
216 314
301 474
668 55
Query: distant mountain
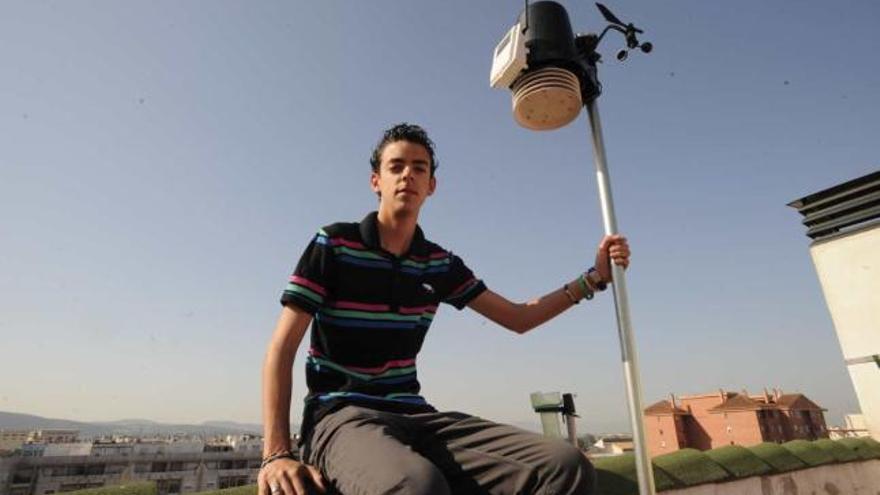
16 421
126 422
133 427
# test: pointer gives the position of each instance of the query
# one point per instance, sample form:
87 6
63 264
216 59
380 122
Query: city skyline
162 166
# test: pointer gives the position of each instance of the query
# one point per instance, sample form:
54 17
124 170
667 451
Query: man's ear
374 182
432 185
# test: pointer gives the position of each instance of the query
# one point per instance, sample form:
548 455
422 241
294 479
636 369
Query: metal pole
572 429
644 470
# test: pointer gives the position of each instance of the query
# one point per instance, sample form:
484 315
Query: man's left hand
612 248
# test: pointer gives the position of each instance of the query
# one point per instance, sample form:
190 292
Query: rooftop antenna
552 74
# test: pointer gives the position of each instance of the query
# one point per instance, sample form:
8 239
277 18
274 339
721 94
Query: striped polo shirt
371 310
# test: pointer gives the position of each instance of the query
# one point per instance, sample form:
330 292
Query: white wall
182 447
848 267
854 478
67 449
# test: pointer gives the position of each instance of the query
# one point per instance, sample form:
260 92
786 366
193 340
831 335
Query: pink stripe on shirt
308 283
417 309
360 306
462 287
339 241
432 256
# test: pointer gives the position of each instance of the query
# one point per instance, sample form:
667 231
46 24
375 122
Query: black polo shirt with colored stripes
371 312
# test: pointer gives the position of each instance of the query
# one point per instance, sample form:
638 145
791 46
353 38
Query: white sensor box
509 59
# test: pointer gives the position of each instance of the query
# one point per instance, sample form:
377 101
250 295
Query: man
372 289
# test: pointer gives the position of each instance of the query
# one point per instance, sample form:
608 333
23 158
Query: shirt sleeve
312 279
460 286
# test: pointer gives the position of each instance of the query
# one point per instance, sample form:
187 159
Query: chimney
672 399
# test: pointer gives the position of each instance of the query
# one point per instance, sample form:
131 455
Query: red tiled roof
797 401
738 402
663 407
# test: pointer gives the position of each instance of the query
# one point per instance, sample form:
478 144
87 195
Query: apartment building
708 421
176 466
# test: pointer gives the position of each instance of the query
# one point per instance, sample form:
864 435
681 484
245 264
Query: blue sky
163 164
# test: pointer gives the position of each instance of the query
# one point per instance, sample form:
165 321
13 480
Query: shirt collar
369 230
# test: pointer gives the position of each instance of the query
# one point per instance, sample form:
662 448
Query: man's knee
572 473
418 478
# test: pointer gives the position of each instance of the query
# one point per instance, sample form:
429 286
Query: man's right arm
285 474
277 368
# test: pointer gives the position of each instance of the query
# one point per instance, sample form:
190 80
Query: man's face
404 179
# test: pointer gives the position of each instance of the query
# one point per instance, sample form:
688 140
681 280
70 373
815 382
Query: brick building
724 418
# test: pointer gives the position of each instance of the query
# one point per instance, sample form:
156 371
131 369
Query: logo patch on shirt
428 288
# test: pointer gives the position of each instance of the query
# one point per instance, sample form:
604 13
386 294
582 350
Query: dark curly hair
403 132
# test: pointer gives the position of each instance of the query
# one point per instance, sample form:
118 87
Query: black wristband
601 285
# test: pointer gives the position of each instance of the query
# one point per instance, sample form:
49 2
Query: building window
168 487
22 477
95 469
232 481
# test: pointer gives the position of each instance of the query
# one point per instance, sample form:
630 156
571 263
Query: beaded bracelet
586 287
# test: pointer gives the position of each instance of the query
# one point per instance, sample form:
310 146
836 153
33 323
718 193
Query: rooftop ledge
820 466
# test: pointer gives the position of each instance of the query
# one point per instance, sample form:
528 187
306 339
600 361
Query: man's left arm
522 317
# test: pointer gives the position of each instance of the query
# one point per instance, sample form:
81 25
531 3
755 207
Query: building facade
714 420
12 440
844 225
177 466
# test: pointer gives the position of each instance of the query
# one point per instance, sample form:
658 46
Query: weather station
552 73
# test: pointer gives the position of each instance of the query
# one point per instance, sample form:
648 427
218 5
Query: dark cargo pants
361 451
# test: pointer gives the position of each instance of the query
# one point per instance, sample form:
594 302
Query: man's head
403 166
403 132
